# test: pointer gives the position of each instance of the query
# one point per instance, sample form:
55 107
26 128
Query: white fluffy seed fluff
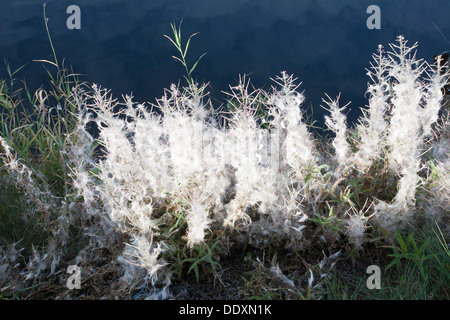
257 169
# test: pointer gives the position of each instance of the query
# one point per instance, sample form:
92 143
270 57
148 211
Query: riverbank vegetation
182 199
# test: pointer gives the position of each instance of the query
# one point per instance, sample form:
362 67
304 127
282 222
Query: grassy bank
179 200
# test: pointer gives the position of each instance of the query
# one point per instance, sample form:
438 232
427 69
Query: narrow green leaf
195 65
171 40
187 44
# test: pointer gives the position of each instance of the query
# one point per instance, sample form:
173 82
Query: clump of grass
37 214
418 270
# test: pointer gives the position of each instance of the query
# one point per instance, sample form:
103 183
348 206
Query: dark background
325 43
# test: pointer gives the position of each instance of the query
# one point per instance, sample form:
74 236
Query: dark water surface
120 46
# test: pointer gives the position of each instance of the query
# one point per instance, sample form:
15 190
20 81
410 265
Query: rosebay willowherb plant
415 106
263 181
174 180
